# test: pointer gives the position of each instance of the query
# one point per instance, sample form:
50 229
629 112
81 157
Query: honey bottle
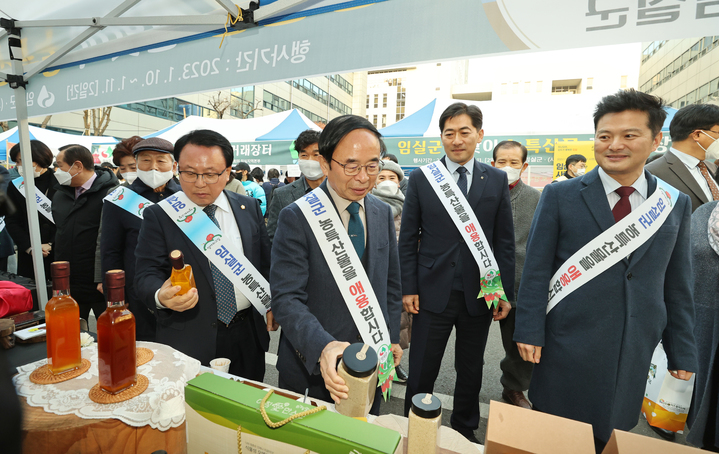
62 323
181 273
117 361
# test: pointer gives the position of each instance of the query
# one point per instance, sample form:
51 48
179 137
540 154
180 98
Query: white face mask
310 169
153 178
64 178
36 173
130 177
713 150
512 173
388 187
580 172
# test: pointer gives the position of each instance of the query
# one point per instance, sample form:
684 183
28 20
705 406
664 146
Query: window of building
173 109
374 120
539 86
384 120
339 106
566 86
527 86
310 89
311 115
342 83
623 82
515 88
384 100
367 101
699 49
401 96
274 103
243 102
376 101
590 83
504 88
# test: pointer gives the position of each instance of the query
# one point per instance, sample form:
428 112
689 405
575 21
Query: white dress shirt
692 164
342 205
636 198
453 166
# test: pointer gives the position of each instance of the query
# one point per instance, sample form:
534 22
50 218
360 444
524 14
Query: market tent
52 139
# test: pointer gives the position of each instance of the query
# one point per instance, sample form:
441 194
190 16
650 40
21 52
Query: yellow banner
563 150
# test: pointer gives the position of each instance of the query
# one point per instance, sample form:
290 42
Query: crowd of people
455 245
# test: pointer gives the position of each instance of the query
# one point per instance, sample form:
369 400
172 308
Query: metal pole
24 139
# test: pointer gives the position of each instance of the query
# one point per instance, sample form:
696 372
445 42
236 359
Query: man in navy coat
440 278
306 301
592 351
190 322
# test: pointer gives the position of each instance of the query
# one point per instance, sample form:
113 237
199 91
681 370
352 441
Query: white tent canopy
52 139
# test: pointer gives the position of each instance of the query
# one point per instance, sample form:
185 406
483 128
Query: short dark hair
337 129
574 159
242 166
258 174
690 118
205 138
391 157
124 148
632 99
65 147
510 144
107 165
460 108
305 139
273 173
41 154
75 153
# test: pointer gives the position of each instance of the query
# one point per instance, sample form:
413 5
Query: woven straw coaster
143 355
44 376
102 397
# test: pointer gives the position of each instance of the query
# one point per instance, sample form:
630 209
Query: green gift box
216 406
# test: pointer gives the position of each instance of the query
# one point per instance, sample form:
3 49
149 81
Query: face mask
62 177
36 173
512 173
153 178
19 169
712 152
130 177
310 169
388 187
580 172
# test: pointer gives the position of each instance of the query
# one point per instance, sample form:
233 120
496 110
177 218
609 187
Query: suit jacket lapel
243 225
652 186
680 170
596 199
478 183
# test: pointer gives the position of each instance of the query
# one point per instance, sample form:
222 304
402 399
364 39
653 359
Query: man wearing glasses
215 320
317 323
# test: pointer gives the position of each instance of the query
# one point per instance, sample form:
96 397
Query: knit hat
393 166
153 144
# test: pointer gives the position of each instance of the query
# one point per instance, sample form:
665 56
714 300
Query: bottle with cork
116 356
181 273
62 323
358 368
425 419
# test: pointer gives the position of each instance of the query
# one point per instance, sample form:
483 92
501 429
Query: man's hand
502 310
411 303
99 288
168 298
530 353
328 368
681 374
397 353
272 325
46 248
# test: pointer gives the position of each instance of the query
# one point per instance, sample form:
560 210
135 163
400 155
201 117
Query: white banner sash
44 205
128 200
461 213
350 277
612 245
208 238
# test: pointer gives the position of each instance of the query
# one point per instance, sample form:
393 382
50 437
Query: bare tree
45 122
96 121
238 107
219 104
4 126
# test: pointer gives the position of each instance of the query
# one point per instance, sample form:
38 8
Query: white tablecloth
161 406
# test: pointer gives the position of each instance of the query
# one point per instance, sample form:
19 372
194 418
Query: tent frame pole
23 131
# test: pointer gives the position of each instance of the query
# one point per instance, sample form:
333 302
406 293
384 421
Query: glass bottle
181 273
62 323
117 361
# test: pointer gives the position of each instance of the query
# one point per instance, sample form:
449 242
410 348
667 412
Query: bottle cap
426 406
177 259
360 360
60 269
115 279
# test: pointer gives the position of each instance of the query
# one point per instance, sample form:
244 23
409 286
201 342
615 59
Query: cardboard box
216 406
515 430
629 443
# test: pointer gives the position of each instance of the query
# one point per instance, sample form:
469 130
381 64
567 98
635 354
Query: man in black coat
76 209
193 323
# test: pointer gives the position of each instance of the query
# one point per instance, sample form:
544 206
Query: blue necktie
355 228
224 290
462 182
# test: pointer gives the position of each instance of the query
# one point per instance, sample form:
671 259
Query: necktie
355 228
623 207
462 182
224 290
710 180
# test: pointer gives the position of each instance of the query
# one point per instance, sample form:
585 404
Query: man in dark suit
440 278
191 322
596 345
316 323
689 165
312 177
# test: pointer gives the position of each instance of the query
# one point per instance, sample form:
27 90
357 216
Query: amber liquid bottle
116 357
181 273
62 323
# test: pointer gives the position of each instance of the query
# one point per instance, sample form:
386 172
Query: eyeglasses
353 169
191 177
